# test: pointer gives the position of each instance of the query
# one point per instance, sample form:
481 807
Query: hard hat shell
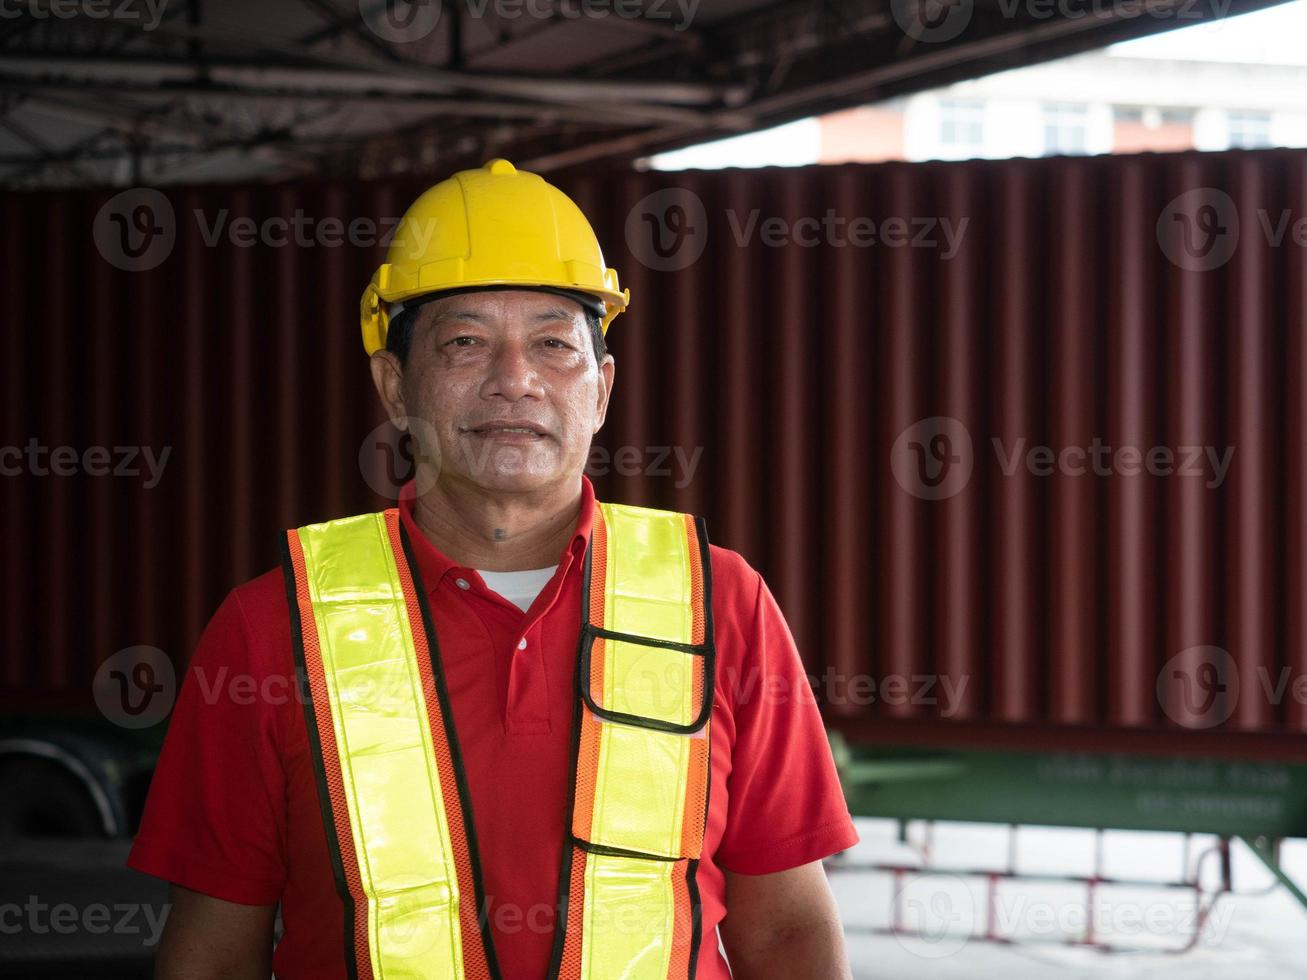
493 226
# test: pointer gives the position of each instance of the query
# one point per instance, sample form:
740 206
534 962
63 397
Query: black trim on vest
565 868
643 721
710 636
645 641
707 650
455 756
315 753
696 915
620 852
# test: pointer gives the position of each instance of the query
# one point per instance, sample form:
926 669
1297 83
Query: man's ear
607 367
388 377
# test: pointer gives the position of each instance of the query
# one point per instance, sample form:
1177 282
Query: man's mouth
518 429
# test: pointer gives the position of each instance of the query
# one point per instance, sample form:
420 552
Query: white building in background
1239 82
1101 102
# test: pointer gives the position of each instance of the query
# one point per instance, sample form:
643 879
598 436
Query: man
529 734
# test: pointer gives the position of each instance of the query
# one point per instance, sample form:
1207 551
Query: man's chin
511 479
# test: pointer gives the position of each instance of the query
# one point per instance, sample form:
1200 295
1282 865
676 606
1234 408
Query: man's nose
512 374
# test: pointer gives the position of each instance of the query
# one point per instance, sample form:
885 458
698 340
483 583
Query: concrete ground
1258 933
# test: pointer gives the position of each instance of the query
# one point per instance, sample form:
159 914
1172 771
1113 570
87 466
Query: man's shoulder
262 596
253 616
731 570
735 585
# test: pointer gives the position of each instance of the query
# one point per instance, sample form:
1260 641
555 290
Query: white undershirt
519 588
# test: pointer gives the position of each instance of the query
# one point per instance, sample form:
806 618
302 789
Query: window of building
1248 128
1066 128
961 125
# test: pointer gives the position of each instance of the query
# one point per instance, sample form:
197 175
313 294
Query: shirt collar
433 564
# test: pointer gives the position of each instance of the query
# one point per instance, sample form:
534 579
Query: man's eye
558 343
458 341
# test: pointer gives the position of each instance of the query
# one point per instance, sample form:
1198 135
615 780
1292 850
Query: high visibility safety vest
391 781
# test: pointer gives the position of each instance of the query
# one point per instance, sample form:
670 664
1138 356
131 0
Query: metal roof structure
117 92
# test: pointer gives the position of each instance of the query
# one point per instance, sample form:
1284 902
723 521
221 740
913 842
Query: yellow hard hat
495 226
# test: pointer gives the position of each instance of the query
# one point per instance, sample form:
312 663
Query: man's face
501 389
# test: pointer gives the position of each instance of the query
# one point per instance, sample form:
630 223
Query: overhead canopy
144 91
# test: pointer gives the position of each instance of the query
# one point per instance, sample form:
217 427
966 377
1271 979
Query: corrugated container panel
775 382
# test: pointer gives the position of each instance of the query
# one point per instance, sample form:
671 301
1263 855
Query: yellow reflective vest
390 778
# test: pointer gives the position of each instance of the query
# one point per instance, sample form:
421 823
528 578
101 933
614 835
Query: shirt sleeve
215 812
786 806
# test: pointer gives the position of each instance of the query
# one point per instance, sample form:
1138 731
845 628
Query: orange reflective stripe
323 746
570 967
696 786
587 760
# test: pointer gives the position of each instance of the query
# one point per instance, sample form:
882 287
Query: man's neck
498 533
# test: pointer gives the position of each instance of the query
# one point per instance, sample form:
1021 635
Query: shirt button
521 644
462 583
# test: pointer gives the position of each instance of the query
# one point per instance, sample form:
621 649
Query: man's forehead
493 306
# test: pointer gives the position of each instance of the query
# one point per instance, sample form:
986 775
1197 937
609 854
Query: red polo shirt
233 809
